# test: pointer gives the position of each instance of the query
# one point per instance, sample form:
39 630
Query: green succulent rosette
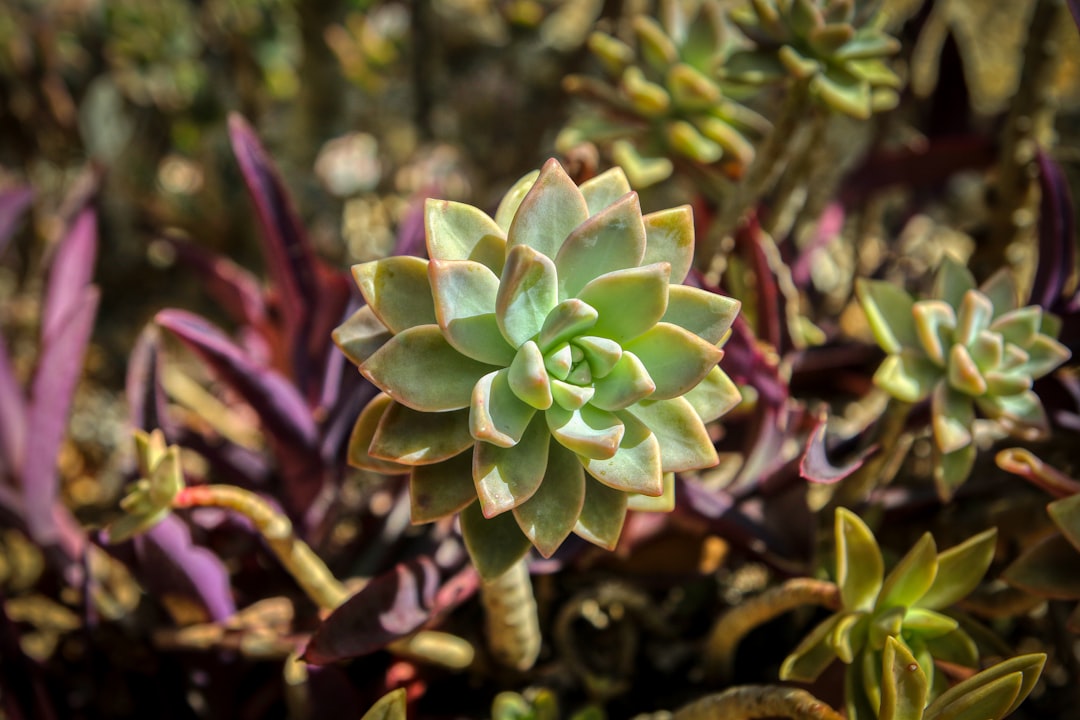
540 374
824 43
149 499
967 347
904 605
664 101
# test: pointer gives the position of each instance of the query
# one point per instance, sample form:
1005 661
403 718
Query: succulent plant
540 373
965 348
150 498
824 43
666 101
904 605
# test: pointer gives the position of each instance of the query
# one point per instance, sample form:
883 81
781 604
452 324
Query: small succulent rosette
540 374
967 347
150 498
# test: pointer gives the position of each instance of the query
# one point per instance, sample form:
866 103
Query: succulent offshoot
543 372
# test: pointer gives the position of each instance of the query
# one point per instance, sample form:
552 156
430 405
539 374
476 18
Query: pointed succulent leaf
706 314
889 311
511 201
549 516
549 212
528 292
952 469
685 139
972 693
988 351
904 689
952 281
737 148
951 416
1066 515
690 89
998 383
420 369
495 544
827 39
613 239
612 52
363 432
960 569
676 359
912 576
602 515
642 171
559 360
1046 569
684 442
391 706
506 477
442 489
626 383
849 636
665 502
803 16
570 396
465 295
859 566
566 320
1044 355
528 377
362 334
714 395
885 625
397 290
813 655
843 91
409 437
928 624
496 414
647 98
798 65
972 317
456 231
963 374
1019 326
588 431
1000 289
601 354
628 302
635 467
955 647
907 376
604 189
934 324
868 43
669 237
1019 413
656 47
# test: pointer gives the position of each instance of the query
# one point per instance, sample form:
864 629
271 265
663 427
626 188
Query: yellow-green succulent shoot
904 605
824 43
150 498
540 374
967 347
665 102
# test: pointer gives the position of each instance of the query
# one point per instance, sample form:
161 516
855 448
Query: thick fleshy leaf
972 317
960 569
497 415
601 354
813 655
714 395
511 201
1000 290
397 290
559 360
568 319
963 374
442 489
391 706
602 515
1046 569
706 314
604 189
420 369
904 689
663 503
888 311
456 231
885 625
815 465
629 302
635 467
988 351
611 240
587 431
971 694
465 294
362 434
676 359
569 396
1021 413
952 281
1019 326
952 469
1066 515
528 377
361 335
549 516
409 437
506 477
912 576
495 544
952 415
842 91
928 624
627 383
549 212
859 566
934 323
1044 354
684 442
907 376
527 294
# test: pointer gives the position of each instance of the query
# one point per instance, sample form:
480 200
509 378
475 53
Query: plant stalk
758 701
511 618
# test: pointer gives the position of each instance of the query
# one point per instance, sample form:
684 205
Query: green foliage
541 363
149 499
903 607
967 347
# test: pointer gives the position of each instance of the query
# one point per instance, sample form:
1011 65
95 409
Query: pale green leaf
551 513
601 354
496 414
888 311
684 442
960 569
972 317
397 290
714 395
527 294
511 201
635 467
629 302
952 415
587 431
568 319
912 576
611 240
391 706
528 377
465 294
549 212
907 376
507 477
410 437
362 334
602 515
663 503
859 566
676 359
952 281
627 383
604 189
928 624
456 231
706 314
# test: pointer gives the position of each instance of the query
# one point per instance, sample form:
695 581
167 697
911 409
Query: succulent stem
1027 465
729 630
513 625
758 701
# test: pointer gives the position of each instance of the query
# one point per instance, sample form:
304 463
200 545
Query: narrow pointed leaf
859 566
706 314
391 706
928 624
904 689
676 359
1000 289
972 317
442 489
602 515
684 442
912 577
549 516
1028 666
549 212
569 318
952 416
952 469
1046 569
952 281
361 335
456 231
1066 515
506 477
527 294
628 302
397 290
813 654
960 569
907 376
494 544
988 700
409 437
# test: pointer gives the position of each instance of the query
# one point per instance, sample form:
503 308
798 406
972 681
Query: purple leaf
235 289
72 268
829 225
59 368
1074 8
387 608
145 395
170 564
12 416
815 465
13 204
1057 253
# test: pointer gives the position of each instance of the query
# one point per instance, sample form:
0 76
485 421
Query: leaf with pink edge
669 237
602 515
464 293
706 314
361 335
442 489
409 437
566 320
683 440
952 416
628 302
363 432
676 359
420 369
601 354
627 383
551 513
397 290
587 431
456 231
549 212
604 189
495 544
608 241
528 291
715 395
507 477
511 201
664 503
497 415
635 467
528 377
908 376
